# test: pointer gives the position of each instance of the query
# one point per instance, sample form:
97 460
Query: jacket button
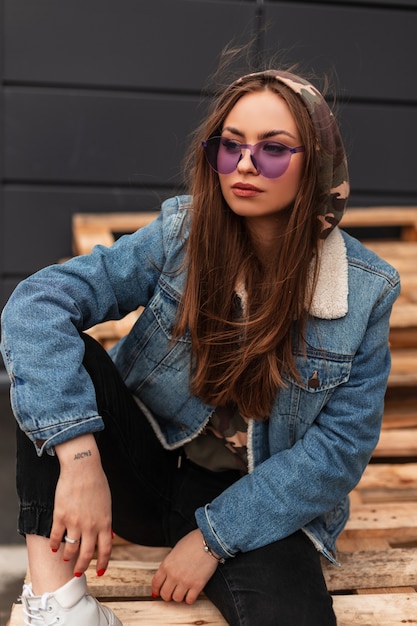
314 381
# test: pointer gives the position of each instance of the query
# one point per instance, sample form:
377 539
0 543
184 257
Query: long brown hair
242 359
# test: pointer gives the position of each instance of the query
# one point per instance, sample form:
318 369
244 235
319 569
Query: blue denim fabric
304 460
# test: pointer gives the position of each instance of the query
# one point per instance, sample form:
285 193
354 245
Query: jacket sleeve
295 486
51 393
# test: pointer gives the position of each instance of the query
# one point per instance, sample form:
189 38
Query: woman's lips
245 190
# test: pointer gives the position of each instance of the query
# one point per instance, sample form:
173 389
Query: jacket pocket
303 399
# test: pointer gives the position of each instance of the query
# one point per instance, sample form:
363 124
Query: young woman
237 415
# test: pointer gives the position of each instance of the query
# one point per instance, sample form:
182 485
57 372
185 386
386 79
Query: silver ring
72 541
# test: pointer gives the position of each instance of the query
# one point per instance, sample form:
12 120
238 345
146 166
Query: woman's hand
82 505
186 570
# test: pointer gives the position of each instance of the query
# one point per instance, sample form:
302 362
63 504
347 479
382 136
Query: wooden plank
357 542
89 229
397 442
127 551
389 483
359 569
395 522
378 568
394 249
403 367
383 516
406 217
404 265
153 613
376 610
403 337
123 579
394 609
400 409
388 590
404 315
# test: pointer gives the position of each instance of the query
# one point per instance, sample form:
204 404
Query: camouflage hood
334 171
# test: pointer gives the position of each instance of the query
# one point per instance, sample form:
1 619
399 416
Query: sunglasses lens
228 155
270 158
222 154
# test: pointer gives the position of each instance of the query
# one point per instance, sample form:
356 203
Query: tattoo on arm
82 455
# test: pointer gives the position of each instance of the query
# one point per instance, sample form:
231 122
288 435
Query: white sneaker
70 605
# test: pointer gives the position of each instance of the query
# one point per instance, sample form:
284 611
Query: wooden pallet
376 584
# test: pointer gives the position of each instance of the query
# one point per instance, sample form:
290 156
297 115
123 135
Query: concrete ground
12 548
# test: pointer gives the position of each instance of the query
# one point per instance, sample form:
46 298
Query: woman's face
255 117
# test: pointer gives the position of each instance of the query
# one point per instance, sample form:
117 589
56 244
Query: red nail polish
100 572
155 595
66 560
78 574
54 549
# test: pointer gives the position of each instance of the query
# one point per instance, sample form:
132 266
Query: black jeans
154 495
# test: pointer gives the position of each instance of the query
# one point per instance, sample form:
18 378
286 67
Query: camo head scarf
334 171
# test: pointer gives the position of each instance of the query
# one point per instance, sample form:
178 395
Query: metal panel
380 141
95 137
7 285
370 52
146 44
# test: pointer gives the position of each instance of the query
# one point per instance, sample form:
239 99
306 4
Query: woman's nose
245 163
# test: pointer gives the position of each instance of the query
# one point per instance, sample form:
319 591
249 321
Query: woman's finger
55 538
87 548
104 548
71 544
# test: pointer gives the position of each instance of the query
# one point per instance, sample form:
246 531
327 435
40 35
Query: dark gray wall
98 96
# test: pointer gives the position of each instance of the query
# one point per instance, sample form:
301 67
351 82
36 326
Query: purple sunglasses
270 158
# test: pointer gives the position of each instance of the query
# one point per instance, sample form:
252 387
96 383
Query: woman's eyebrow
273 133
266 135
234 131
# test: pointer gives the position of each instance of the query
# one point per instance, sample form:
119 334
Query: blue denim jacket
303 462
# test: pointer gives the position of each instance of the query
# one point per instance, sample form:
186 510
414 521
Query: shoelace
36 615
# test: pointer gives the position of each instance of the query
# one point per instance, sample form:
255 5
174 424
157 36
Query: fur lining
330 299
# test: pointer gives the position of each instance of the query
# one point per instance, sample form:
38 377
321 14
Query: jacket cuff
204 523
45 441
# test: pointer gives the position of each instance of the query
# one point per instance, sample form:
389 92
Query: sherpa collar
330 299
